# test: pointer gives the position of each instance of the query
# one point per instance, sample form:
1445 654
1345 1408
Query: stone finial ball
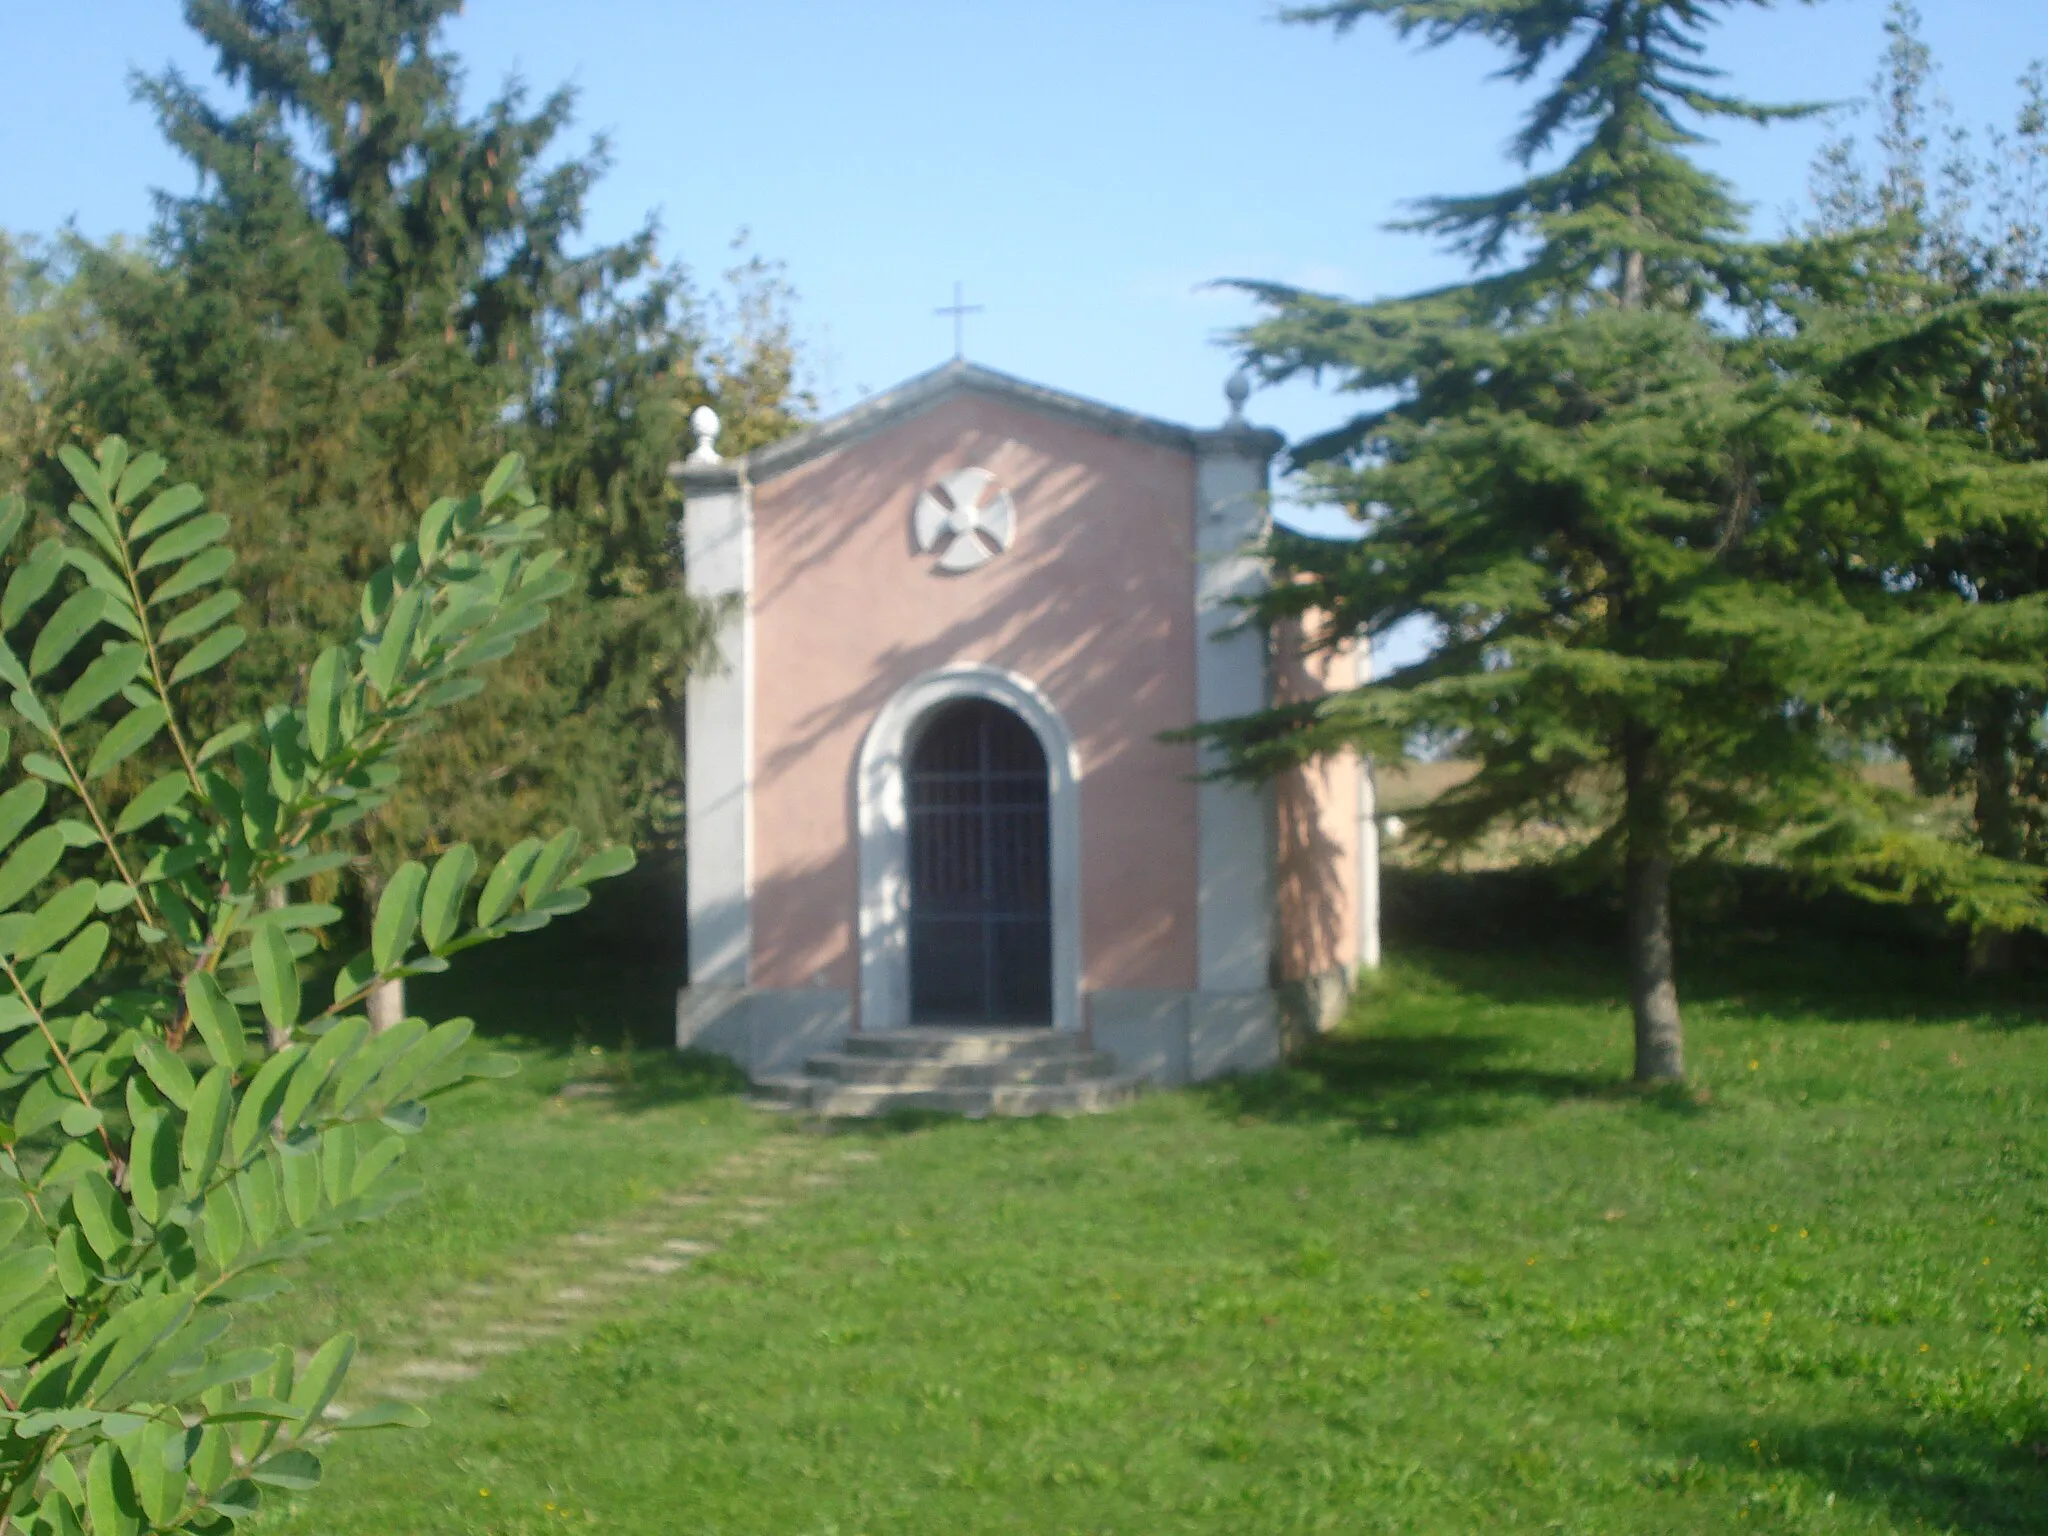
1237 389
704 422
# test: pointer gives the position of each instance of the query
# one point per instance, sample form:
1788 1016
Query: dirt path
569 1286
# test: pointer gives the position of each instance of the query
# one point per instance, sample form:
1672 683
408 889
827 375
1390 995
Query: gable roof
943 383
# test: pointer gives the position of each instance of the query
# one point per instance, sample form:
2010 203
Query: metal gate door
980 913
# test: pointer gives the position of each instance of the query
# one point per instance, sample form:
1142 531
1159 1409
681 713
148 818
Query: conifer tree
1968 229
47 335
25 289
372 294
1656 571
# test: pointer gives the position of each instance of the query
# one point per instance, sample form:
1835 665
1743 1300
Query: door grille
980 915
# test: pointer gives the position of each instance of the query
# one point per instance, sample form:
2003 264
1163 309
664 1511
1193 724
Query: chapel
940 849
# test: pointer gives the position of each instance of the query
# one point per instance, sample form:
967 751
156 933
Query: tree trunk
385 1005
1997 829
1635 272
1993 951
1635 281
1652 973
1646 818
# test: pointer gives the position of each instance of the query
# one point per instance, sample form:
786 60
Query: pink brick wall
1093 603
1317 810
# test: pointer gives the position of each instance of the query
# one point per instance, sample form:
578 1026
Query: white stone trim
1235 839
943 383
718 710
1368 826
884 828
1368 866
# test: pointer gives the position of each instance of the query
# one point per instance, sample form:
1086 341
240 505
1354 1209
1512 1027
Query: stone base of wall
763 1031
1186 1037
1169 1038
1311 1006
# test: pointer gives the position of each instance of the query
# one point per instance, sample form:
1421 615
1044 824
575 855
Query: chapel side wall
1316 810
1092 603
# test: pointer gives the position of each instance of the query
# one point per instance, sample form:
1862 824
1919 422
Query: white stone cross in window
967 519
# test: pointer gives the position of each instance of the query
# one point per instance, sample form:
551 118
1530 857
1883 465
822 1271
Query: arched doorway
976 793
881 807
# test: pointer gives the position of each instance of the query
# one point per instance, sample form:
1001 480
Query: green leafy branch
163 1152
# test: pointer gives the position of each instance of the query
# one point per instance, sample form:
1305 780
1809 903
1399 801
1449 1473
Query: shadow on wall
1100 625
1316 853
1316 914
1072 660
783 922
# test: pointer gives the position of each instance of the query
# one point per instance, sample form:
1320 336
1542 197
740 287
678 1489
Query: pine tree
1971 231
371 295
47 335
25 290
1656 568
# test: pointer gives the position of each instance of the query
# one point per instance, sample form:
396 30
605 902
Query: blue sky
1084 166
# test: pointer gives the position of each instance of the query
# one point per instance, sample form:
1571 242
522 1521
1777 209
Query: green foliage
1656 489
374 294
47 334
1626 210
1968 243
162 1159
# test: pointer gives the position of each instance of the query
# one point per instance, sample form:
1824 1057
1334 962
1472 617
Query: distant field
1402 789
1406 789
1447 1275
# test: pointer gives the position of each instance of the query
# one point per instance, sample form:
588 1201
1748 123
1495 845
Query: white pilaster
718 736
1368 867
1368 830
1234 835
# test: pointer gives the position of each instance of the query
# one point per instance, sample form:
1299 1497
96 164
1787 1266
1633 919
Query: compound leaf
216 1019
168 506
73 620
398 916
441 910
182 542
201 616
210 652
114 670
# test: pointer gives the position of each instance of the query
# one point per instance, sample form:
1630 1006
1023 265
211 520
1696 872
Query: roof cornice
927 390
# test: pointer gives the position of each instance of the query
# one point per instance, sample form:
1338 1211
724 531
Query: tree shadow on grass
1577 975
889 1126
1839 982
590 1001
1813 979
1756 942
1940 1475
606 976
637 1082
1415 1085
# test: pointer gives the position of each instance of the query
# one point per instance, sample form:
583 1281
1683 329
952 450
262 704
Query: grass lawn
1446 1276
512 1164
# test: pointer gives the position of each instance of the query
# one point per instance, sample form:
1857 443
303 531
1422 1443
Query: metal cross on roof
959 312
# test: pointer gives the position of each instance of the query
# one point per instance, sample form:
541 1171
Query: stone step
929 1072
964 1044
1087 1098
869 1100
